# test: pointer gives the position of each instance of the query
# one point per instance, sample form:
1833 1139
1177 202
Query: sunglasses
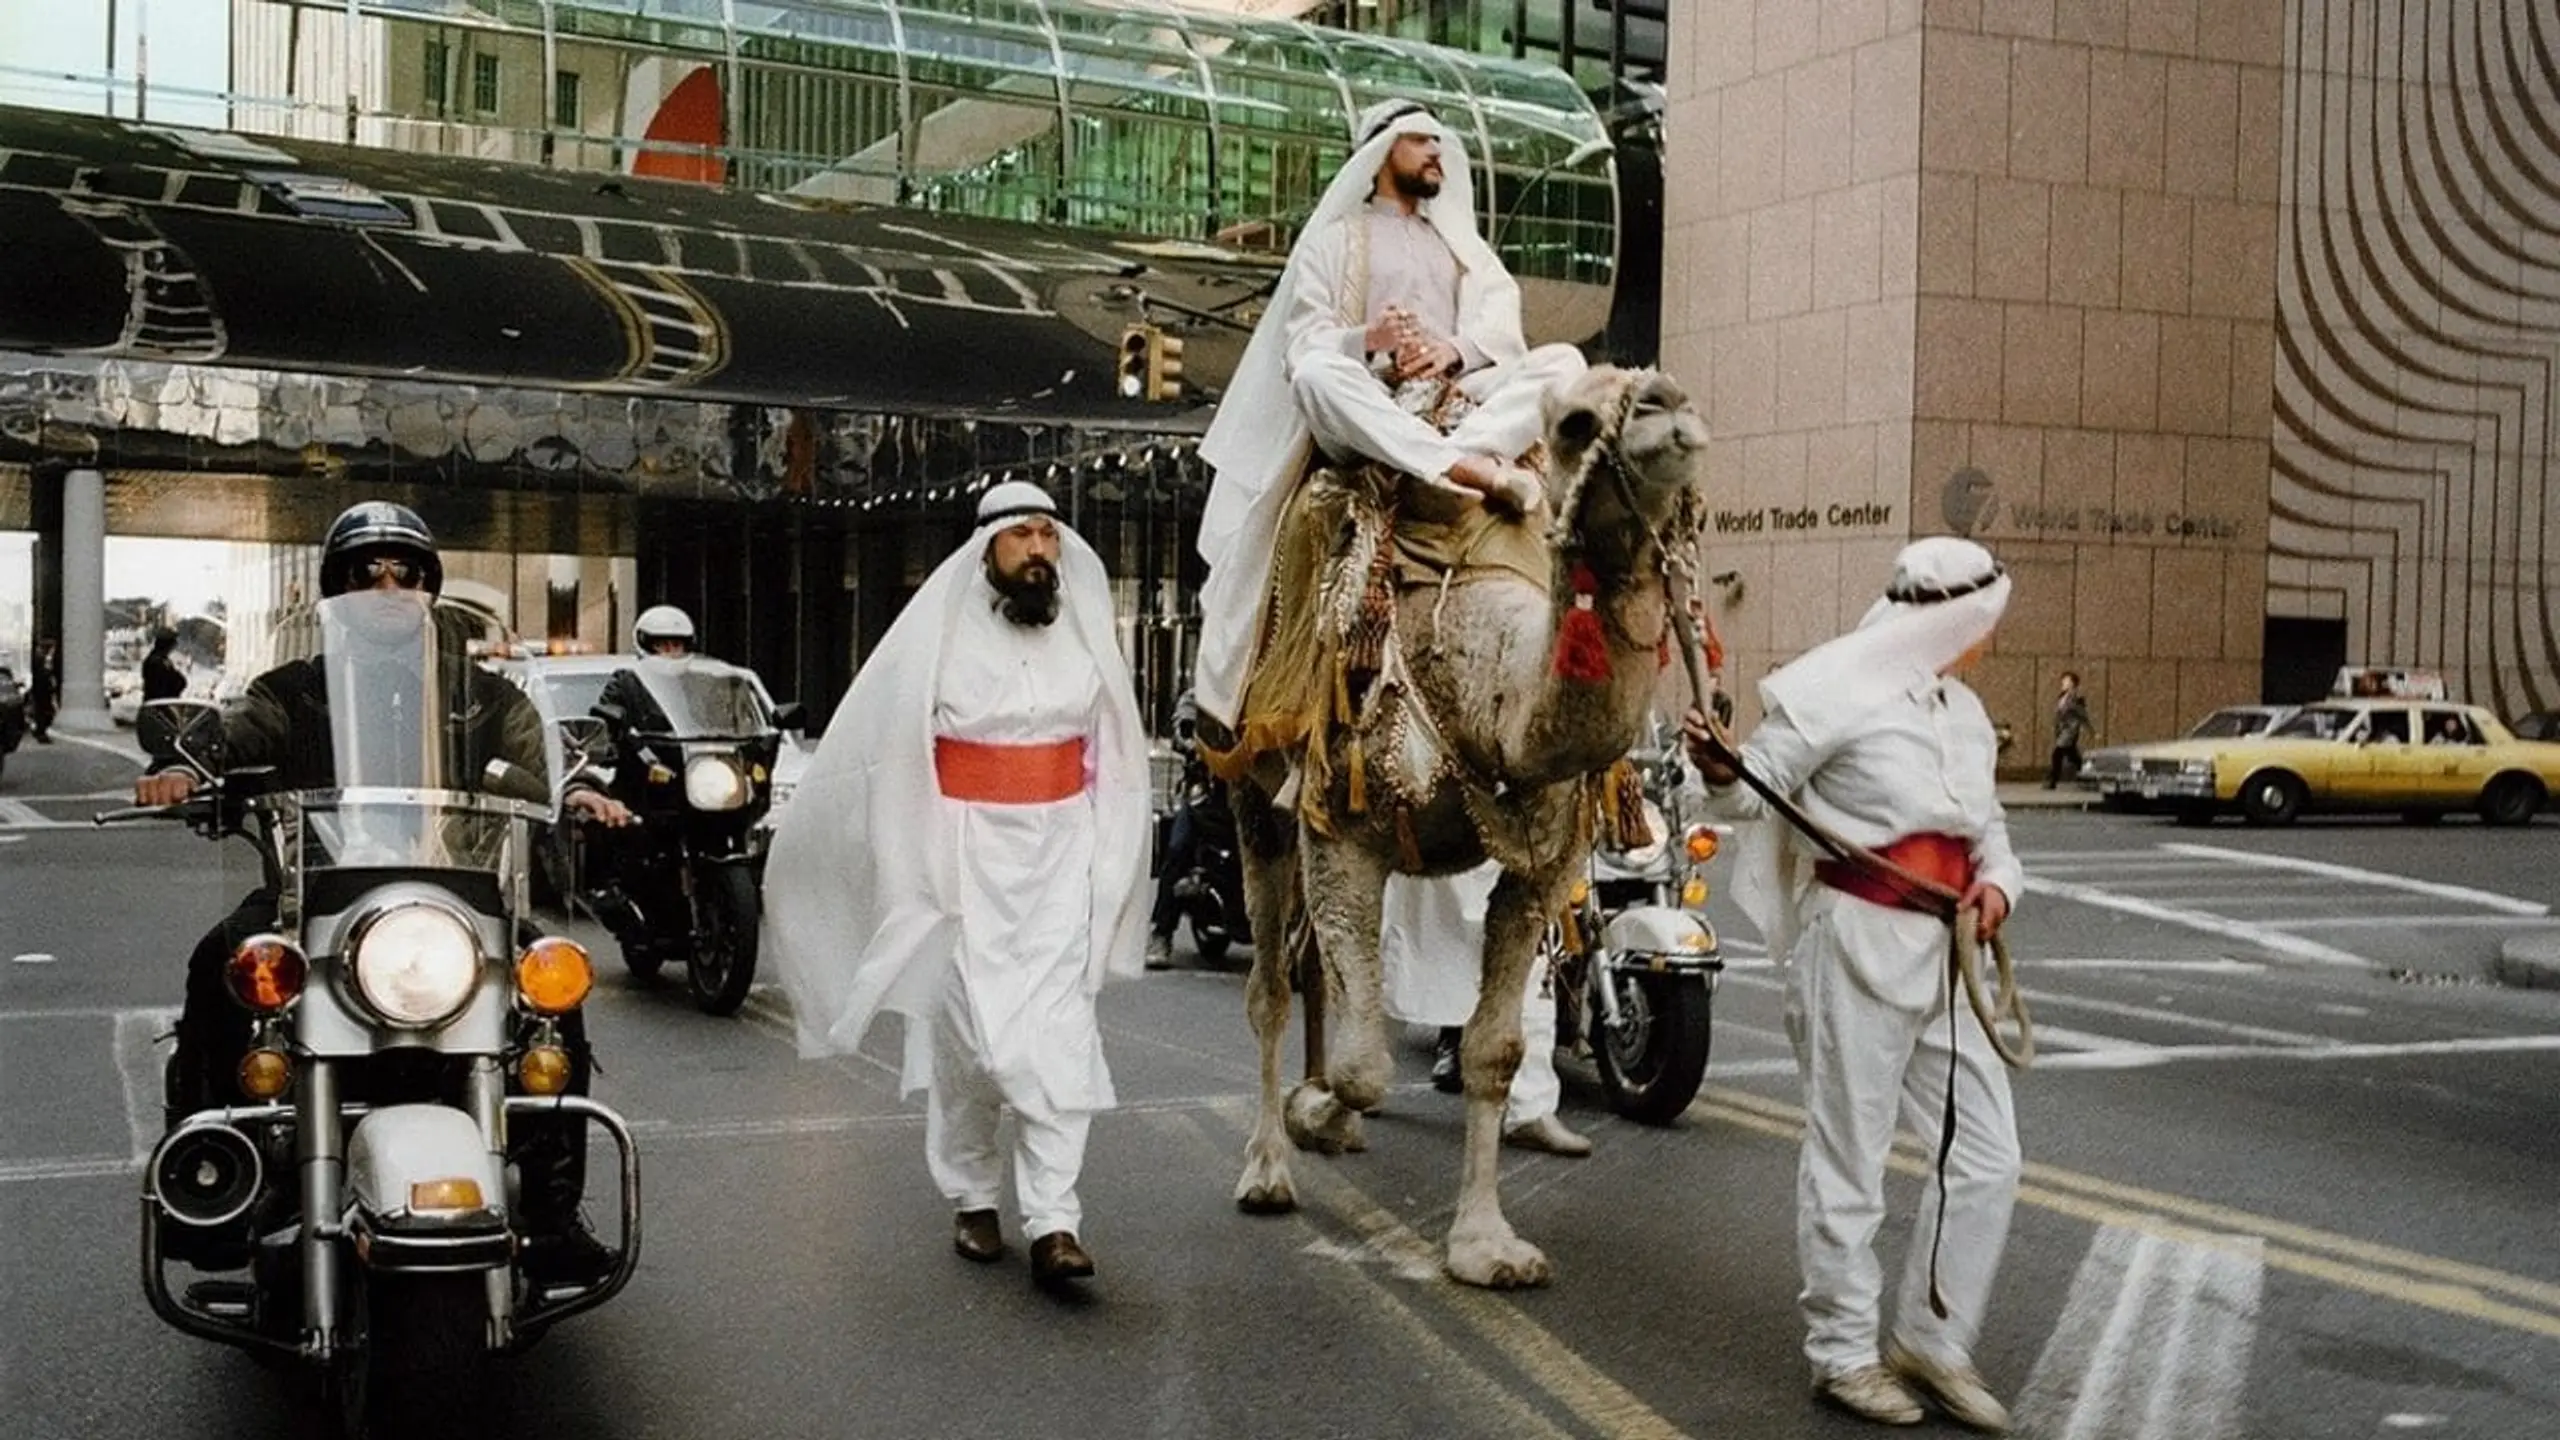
363 574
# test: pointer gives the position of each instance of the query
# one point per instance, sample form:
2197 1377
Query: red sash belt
1947 859
1008 774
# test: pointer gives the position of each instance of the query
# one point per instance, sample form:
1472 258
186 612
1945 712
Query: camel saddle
1352 541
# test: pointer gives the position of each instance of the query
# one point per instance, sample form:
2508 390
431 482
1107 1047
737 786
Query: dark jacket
2070 717
161 677
283 720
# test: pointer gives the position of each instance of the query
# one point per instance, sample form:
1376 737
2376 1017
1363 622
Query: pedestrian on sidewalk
44 689
1874 738
161 677
2070 718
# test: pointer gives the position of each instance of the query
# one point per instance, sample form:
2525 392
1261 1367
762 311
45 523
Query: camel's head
1627 447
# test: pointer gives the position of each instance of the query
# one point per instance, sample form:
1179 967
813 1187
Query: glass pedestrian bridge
1135 117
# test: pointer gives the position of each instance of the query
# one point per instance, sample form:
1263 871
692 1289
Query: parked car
2134 777
564 689
2421 758
13 713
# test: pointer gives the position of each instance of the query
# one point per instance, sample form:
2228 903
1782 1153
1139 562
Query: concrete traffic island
2530 962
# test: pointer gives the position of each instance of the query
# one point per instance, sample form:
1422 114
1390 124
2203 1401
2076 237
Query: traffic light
1150 364
1164 368
1135 361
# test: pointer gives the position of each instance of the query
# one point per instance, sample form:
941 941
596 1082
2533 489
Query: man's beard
1029 596
1416 186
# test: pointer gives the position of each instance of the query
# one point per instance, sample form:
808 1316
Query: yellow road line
2429 1282
1547 1362
1455 1375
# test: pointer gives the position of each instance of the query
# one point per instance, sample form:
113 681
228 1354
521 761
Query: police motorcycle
1209 891
363 1180
1636 964
693 755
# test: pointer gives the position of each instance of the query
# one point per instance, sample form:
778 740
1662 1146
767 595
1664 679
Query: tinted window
2449 727
2320 722
2224 724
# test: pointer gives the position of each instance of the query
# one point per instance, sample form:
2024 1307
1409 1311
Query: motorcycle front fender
400 1147
1647 934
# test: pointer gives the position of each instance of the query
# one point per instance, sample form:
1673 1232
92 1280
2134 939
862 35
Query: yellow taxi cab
2422 758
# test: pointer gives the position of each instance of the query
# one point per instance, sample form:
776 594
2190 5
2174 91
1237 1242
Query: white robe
1868 1013
1432 948
1311 340
876 882
1025 871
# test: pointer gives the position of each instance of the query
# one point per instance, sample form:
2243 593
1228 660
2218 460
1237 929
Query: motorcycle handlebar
184 809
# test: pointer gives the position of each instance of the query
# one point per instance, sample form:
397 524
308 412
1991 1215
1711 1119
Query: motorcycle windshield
702 699
387 687
416 755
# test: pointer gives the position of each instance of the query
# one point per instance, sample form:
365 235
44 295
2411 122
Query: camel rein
1919 892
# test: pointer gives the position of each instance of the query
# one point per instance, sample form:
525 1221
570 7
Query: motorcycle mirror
583 733
185 730
790 715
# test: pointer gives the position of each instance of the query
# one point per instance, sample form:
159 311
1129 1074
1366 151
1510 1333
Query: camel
1494 761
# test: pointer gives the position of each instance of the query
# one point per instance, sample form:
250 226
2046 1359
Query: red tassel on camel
1582 651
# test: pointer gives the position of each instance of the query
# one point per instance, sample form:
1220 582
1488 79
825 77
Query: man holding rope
1870 739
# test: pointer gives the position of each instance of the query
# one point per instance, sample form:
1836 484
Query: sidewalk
104 735
2031 795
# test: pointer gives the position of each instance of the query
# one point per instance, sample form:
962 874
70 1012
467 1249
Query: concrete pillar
84 601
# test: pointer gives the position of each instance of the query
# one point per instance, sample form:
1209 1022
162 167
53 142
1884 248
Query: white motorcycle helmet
658 624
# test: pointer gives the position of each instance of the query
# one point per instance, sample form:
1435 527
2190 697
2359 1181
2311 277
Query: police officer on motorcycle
664 632
282 721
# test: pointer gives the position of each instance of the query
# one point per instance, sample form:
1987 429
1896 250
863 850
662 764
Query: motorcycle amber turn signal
1693 892
544 1070
266 973
264 1074
553 975
1701 844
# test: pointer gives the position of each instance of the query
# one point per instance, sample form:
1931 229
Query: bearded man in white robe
1389 298
968 848
1874 739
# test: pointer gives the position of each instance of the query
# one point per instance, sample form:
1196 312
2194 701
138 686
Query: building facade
2230 326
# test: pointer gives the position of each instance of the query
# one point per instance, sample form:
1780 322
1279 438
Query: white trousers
1351 412
963 1109
1432 950
1864 1062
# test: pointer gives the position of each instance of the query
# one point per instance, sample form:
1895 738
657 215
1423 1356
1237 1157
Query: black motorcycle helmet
377 529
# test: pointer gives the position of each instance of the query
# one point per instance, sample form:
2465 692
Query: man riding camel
1389 302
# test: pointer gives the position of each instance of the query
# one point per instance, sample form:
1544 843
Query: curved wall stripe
2418 338
690 115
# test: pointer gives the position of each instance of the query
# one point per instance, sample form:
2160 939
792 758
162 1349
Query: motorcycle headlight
714 782
415 964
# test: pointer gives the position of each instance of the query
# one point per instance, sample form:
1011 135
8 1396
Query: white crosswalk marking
2264 936
2487 899
137 1058
2153 1341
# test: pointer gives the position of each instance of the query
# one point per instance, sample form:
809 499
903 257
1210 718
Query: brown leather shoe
1056 1256
975 1236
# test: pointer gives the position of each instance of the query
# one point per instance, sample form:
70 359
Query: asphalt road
2291 1174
